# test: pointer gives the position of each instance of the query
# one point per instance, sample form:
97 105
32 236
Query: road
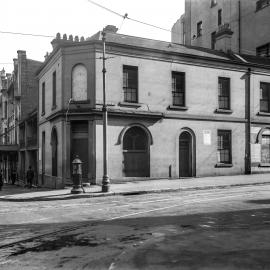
207 229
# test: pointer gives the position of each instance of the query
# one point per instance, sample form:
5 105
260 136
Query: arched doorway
186 154
136 153
54 143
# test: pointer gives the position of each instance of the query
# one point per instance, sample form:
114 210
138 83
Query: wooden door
185 155
136 153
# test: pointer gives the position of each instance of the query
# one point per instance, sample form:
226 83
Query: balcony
32 141
262 4
224 29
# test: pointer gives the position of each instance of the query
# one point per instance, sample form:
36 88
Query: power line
25 34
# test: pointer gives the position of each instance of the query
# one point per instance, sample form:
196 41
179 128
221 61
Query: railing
224 27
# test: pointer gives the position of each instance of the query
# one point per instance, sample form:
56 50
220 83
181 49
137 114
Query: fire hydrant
77 176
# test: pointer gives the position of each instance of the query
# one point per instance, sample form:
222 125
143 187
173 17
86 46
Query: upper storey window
265 97
199 29
79 83
130 84
263 50
219 17
262 4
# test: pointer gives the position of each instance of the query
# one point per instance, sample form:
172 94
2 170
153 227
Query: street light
105 178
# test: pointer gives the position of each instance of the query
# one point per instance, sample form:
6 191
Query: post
248 124
105 179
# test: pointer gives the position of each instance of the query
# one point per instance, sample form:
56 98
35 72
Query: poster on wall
255 152
207 137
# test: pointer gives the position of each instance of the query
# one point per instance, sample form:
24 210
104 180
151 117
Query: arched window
79 83
265 146
54 143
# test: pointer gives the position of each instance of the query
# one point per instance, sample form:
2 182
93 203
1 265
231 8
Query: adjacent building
240 26
18 107
174 110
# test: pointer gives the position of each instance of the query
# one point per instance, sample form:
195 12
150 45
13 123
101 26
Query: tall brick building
19 98
241 26
174 111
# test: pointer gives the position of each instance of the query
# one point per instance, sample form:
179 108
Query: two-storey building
174 110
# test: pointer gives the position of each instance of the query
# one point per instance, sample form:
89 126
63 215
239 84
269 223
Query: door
136 153
79 145
185 155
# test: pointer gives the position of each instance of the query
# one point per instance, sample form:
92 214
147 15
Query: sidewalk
12 193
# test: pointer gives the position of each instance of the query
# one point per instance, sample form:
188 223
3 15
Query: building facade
242 25
19 97
173 111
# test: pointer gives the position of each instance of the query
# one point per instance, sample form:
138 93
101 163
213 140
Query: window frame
54 90
268 99
130 89
223 132
199 29
176 90
43 88
72 84
219 17
228 96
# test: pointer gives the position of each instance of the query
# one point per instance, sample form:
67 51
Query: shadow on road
264 201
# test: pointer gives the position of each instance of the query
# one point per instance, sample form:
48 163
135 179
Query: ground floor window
224 147
265 146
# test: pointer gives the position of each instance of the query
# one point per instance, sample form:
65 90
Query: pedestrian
30 177
1 180
13 176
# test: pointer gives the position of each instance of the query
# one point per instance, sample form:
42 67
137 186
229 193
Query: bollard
77 176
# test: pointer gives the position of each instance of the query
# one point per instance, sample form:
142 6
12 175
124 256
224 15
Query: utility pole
105 179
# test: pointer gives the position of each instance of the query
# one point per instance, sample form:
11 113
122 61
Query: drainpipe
239 26
248 124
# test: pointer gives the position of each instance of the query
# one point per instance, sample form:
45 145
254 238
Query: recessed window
213 40
199 29
43 98
262 4
178 88
219 17
130 84
79 83
54 90
265 97
224 93
264 50
224 147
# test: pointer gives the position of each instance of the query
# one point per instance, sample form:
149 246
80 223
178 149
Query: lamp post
105 178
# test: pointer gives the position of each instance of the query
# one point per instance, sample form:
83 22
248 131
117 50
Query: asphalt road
208 229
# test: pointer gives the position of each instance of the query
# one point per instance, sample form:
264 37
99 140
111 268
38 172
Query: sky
78 17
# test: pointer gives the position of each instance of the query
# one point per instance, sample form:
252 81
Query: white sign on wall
255 152
207 137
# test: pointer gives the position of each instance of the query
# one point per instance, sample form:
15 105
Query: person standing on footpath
30 177
1 180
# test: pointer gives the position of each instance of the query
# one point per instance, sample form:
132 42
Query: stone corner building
174 111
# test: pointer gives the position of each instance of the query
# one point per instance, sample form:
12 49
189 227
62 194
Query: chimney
21 55
55 42
110 29
223 38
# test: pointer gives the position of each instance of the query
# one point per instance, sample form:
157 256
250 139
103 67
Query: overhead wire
25 34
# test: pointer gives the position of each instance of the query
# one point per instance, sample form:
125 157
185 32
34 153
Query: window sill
264 165
53 107
225 111
129 104
177 108
263 113
223 165
80 101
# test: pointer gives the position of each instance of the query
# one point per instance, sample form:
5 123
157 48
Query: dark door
54 153
43 159
79 145
185 155
136 153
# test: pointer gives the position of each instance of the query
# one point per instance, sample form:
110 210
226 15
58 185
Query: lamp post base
105 183
76 190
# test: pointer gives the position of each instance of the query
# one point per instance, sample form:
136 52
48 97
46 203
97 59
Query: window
213 40
43 98
265 97
224 93
224 147
130 84
265 147
54 90
264 50
5 109
262 4
79 83
199 29
178 88
219 17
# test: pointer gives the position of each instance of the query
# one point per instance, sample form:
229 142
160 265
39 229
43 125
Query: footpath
16 193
